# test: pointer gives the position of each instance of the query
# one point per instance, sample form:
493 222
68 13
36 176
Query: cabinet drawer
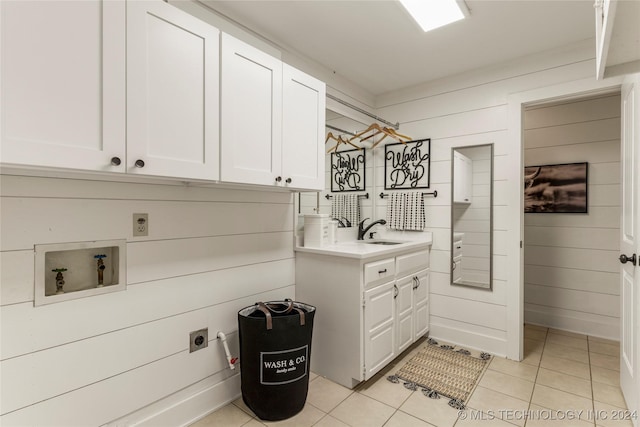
412 262
379 270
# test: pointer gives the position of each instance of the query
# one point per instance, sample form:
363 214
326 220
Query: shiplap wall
123 357
571 266
464 110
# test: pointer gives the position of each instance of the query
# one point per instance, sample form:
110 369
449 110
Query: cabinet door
63 84
462 178
251 115
303 119
379 327
404 312
421 304
173 92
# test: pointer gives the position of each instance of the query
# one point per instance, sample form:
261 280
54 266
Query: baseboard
188 405
494 346
581 323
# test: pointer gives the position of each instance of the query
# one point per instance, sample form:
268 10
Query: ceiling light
431 14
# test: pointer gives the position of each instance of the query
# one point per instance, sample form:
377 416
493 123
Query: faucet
362 231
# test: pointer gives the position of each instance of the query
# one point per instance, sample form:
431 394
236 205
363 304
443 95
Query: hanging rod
340 130
395 125
365 195
434 194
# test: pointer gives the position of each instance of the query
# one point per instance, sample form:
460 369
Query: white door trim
515 274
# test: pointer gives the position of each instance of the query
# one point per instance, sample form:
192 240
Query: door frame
515 272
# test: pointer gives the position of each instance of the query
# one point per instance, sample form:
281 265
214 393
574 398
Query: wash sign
283 367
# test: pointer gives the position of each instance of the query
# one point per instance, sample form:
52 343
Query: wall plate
198 340
140 225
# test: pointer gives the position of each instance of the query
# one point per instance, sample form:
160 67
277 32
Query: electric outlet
140 224
198 340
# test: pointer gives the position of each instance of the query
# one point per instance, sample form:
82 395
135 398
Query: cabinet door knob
623 259
139 163
288 181
115 161
278 178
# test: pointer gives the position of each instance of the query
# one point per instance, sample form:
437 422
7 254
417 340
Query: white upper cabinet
172 92
251 115
303 119
142 87
272 120
63 84
463 178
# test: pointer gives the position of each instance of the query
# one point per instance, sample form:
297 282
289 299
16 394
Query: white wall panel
31 378
27 329
570 278
471 109
574 133
16 276
209 253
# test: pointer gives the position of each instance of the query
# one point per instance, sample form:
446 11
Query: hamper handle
269 307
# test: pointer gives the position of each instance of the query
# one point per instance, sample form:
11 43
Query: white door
62 91
303 119
251 115
379 327
629 244
172 92
421 304
404 312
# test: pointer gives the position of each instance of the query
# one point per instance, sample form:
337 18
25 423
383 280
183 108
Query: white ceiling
375 44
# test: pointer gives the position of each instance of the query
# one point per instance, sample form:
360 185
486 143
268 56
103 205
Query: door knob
278 178
139 163
115 161
623 259
288 181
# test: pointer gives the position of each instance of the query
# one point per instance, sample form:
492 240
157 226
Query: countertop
360 250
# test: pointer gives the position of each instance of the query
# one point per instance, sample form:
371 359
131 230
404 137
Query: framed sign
558 188
348 171
407 165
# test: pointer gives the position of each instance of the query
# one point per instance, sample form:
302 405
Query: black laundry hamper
275 352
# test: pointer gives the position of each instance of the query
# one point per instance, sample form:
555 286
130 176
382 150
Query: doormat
443 370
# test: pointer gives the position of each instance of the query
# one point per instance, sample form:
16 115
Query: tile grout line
535 380
593 396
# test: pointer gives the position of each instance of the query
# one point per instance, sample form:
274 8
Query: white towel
405 211
346 207
414 212
396 211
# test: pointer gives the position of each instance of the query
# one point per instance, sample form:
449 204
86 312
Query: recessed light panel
431 14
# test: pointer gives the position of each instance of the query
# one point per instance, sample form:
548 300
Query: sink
380 242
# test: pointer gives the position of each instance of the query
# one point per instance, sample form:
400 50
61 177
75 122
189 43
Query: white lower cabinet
380 327
404 313
368 310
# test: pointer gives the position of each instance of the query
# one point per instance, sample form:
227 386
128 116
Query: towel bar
434 194
366 196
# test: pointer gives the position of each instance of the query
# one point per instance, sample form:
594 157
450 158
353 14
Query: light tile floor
562 374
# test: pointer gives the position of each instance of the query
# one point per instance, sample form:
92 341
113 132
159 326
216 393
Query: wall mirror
472 216
313 202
